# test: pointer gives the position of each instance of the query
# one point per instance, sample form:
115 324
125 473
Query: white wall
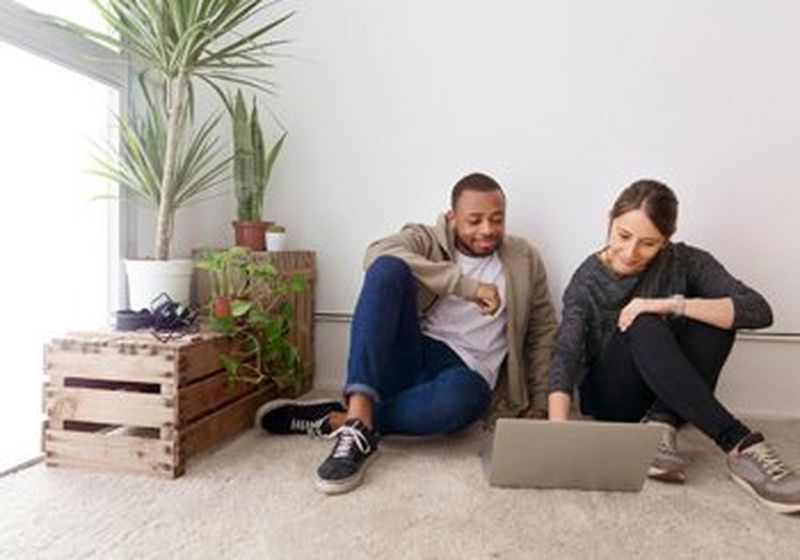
563 101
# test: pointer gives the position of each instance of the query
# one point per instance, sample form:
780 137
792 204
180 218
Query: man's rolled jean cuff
363 389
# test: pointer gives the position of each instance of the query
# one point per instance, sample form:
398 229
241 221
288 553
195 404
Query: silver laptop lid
582 455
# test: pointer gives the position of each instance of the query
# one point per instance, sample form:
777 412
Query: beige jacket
531 325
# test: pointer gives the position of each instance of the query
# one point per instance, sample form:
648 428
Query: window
79 11
59 243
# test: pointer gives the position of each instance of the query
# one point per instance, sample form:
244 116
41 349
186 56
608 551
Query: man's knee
387 268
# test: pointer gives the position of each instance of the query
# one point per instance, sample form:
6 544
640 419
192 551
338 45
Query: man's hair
473 182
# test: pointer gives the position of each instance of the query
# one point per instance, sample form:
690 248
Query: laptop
582 455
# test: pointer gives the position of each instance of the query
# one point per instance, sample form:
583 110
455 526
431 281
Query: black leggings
664 374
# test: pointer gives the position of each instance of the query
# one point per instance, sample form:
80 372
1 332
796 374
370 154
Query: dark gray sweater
595 296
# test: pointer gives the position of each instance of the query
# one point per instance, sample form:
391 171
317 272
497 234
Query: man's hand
487 298
533 413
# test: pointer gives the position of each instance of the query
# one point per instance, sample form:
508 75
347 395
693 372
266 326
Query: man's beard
466 248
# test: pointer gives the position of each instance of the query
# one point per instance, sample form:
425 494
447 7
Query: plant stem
176 98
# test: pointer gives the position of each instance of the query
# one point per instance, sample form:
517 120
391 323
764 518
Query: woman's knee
648 332
647 324
707 335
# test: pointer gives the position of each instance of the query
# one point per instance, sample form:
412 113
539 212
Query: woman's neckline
606 267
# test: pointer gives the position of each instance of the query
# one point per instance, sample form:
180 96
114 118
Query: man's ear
450 216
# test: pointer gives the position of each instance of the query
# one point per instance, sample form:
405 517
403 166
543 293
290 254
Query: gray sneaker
759 470
667 464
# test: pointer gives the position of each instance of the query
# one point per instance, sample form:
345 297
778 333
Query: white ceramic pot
148 279
276 241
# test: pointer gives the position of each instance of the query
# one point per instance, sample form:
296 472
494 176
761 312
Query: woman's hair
656 200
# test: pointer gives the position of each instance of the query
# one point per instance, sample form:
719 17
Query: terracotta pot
221 307
250 234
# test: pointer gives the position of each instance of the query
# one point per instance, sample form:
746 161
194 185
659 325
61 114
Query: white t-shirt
479 340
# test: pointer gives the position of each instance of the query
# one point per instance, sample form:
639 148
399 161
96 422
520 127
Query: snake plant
252 160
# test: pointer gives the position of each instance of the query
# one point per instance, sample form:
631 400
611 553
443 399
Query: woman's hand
637 306
558 404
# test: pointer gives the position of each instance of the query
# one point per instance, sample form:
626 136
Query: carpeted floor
254 498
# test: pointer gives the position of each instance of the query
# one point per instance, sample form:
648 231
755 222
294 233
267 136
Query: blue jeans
418 385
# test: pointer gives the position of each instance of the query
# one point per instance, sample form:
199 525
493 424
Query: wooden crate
125 401
301 333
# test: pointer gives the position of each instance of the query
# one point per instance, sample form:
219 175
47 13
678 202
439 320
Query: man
447 315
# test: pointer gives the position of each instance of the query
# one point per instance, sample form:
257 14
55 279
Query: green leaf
222 325
298 283
230 364
240 308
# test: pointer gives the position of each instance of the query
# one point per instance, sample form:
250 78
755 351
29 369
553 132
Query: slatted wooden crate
125 401
129 402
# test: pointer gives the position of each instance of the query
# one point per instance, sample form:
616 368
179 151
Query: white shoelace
769 460
312 427
349 437
668 443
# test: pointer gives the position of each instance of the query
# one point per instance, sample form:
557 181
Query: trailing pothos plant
258 317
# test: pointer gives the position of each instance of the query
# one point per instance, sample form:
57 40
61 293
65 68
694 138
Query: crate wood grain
127 402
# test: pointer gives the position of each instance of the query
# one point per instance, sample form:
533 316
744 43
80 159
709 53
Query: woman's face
633 241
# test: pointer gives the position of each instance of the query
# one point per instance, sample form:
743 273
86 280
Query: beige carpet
253 498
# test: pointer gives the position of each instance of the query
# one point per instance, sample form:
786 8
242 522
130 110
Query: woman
647 326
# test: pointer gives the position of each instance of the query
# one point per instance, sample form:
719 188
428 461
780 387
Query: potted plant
252 166
258 316
227 277
276 238
176 43
137 165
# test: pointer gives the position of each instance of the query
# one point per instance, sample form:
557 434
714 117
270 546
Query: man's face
479 222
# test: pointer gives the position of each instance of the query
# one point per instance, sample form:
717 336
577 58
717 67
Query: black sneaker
286 416
344 468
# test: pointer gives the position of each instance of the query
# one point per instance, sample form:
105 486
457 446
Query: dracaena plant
174 43
139 163
252 159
